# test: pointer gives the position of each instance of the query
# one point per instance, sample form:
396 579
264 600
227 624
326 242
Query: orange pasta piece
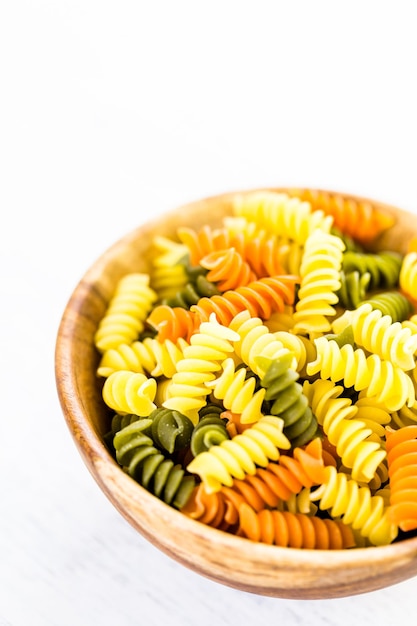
261 298
206 240
172 323
234 425
254 491
266 256
402 469
294 530
227 269
233 497
278 481
212 509
358 219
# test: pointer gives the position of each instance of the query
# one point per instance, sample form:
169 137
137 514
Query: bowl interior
231 560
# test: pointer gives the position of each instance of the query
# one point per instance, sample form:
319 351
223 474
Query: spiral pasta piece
353 289
265 254
374 415
280 481
167 282
356 506
149 356
268 255
172 322
377 333
227 269
212 509
240 455
294 530
207 240
278 213
402 469
209 431
170 430
384 267
129 392
320 282
408 275
167 275
287 256
392 303
287 400
300 346
350 436
378 378
136 453
124 318
208 348
255 340
118 421
237 392
359 219
261 298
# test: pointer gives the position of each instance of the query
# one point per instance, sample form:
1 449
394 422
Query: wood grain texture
233 561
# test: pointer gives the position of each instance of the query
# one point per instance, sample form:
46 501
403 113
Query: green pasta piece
391 303
198 286
384 267
287 400
350 243
171 430
354 287
210 431
342 338
118 422
136 453
211 409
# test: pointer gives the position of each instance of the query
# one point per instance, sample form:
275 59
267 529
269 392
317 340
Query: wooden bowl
225 558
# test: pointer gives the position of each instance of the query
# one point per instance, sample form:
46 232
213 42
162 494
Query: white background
111 112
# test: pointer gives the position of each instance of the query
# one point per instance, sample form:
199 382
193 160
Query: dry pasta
262 376
377 333
320 282
124 318
402 469
296 530
227 269
408 275
359 219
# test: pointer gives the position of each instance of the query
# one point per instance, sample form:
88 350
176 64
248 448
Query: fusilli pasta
125 315
240 455
262 377
320 282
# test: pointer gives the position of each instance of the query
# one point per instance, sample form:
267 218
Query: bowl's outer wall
230 560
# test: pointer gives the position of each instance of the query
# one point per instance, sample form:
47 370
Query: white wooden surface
110 112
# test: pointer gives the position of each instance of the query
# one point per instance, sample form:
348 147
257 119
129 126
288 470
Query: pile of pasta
261 376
